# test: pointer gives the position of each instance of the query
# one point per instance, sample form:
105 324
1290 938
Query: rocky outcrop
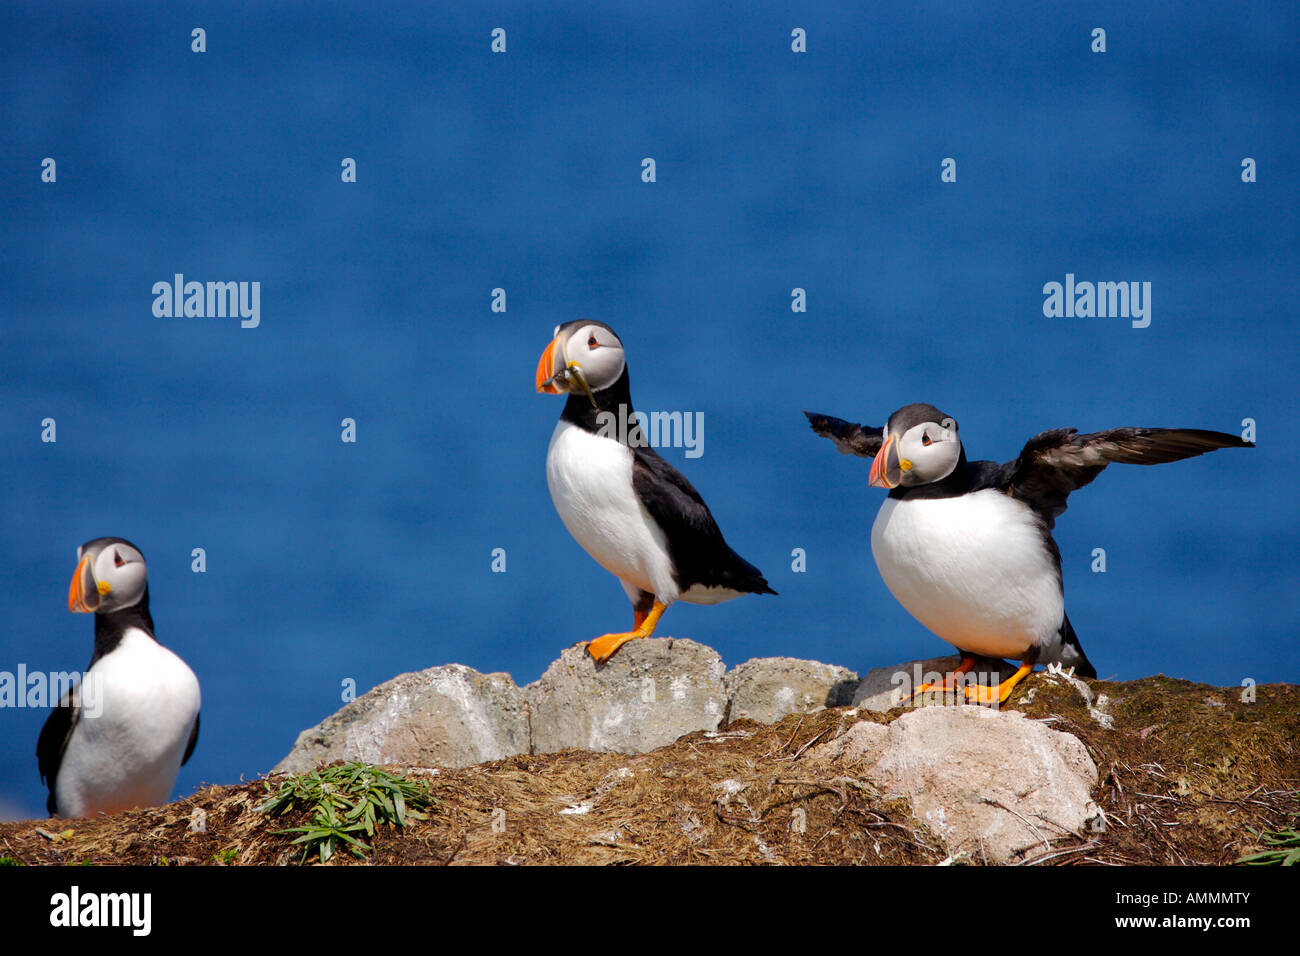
993 785
766 689
444 716
652 692
649 694
1195 774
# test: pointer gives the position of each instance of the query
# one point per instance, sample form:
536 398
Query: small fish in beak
556 381
575 375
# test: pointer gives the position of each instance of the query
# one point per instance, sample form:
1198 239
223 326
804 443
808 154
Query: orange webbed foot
949 683
981 694
603 647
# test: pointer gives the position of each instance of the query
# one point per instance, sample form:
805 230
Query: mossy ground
1188 773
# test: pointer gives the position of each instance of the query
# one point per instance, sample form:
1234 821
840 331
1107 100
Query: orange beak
546 370
880 467
77 592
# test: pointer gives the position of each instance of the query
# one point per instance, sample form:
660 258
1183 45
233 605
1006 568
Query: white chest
974 569
138 706
590 478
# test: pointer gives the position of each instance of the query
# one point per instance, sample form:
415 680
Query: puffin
966 546
628 508
118 738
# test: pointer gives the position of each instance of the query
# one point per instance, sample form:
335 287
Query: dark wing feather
861 440
1059 461
53 741
194 739
698 550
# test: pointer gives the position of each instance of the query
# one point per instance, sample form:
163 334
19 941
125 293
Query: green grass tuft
347 801
1287 852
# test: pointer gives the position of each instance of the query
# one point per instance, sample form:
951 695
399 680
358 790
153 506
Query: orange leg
603 647
949 682
979 694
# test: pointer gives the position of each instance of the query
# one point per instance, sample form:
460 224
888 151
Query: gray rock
991 784
651 692
449 716
766 689
887 687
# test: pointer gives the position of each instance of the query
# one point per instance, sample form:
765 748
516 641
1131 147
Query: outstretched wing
850 439
699 552
1057 462
53 741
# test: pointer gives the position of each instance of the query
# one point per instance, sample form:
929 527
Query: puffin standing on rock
118 739
966 547
631 510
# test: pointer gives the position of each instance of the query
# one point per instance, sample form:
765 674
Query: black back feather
699 552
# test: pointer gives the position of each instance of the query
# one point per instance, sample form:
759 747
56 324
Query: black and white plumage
966 547
118 739
631 510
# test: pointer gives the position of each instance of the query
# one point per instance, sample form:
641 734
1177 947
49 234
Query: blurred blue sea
328 561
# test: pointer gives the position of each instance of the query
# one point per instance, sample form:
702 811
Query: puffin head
585 354
110 575
920 446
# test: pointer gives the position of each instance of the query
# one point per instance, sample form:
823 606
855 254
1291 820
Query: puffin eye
925 438
591 342
117 559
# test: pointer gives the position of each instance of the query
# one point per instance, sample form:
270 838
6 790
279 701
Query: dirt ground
1187 772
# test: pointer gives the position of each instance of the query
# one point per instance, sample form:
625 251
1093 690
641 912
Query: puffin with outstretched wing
966 546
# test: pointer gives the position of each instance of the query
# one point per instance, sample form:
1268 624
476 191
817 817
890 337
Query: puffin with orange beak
967 548
628 508
118 738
